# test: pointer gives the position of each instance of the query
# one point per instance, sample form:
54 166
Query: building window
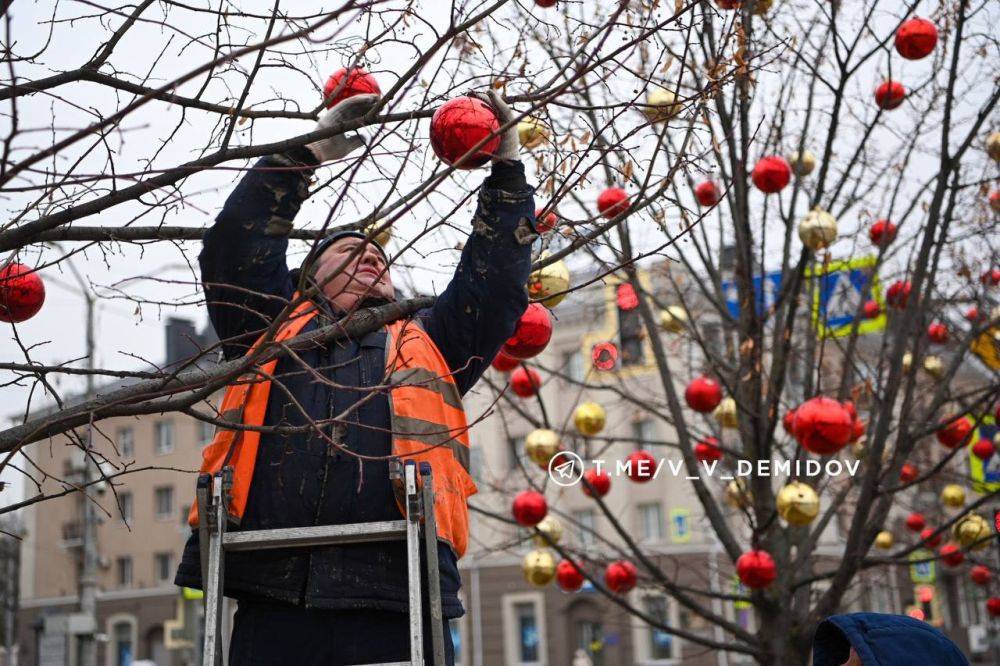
590 639
644 432
163 566
163 433
163 500
206 432
127 505
125 441
630 337
653 644
651 522
122 632
584 519
455 627
572 365
123 566
524 629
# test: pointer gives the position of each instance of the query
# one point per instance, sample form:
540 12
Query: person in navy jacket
878 639
344 604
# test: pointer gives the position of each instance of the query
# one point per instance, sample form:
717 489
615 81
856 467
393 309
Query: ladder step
320 535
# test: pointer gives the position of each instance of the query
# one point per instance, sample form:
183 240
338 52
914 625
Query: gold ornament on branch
818 229
539 567
383 237
589 418
673 319
532 132
798 503
802 166
884 540
662 105
972 530
907 362
551 527
993 146
726 413
737 494
548 280
541 445
953 495
934 367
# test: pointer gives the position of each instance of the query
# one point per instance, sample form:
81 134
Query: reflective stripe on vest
427 421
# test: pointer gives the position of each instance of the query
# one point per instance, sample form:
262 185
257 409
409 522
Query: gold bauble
539 567
726 413
532 132
858 449
589 418
993 146
737 494
662 105
541 445
802 166
953 495
383 237
551 279
934 367
761 7
673 319
798 503
907 362
884 540
971 529
551 527
818 229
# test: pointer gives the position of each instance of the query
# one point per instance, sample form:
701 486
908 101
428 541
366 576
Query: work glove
340 146
510 144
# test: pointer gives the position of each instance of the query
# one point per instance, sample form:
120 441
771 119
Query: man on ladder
347 604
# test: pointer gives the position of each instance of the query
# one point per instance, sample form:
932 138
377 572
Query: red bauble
928 537
908 473
954 432
620 576
22 293
612 202
707 193
916 38
529 508
546 3
990 278
504 363
346 83
568 576
993 606
545 221
995 200
604 355
890 94
915 522
626 297
972 314
458 125
756 569
771 174
532 333
937 333
641 466
898 294
983 449
980 575
703 394
600 482
788 422
872 309
822 426
708 450
882 233
525 381
951 555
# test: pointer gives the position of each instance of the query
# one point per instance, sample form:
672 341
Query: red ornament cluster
346 83
908 473
871 309
937 333
756 569
898 294
545 221
569 578
620 576
882 233
916 38
22 293
612 202
640 465
599 481
983 449
707 193
529 508
771 174
915 522
954 432
504 363
928 537
707 450
951 555
703 394
890 94
525 381
458 125
823 426
531 335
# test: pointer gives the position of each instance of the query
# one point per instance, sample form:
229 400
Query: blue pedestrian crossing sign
840 288
765 288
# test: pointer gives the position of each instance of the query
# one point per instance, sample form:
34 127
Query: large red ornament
991 277
980 575
600 482
955 431
529 508
916 38
771 174
707 450
993 606
788 422
898 294
612 202
604 355
857 425
928 536
937 333
915 522
458 125
346 83
545 221
908 473
525 381
532 333
983 449
882 233
620 576
569 578
951 555
756 569
872 309
703 394
641 466
890 94
822 426
707 193
626 297
504 363
22 293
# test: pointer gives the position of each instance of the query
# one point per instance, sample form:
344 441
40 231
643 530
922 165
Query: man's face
354 278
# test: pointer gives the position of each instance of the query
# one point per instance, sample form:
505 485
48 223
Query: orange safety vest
427 420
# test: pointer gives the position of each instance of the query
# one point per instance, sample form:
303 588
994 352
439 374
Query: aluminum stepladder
215 541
